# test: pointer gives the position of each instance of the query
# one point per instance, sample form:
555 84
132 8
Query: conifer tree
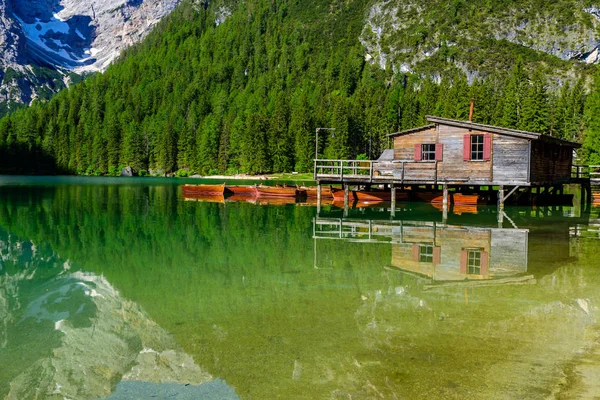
590 151
514 92
535 109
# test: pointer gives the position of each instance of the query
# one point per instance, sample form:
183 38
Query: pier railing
376 171
356 230
586 171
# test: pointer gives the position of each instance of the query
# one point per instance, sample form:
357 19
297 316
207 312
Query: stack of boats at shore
261 194
282 194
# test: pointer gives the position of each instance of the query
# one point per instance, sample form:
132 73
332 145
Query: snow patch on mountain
85 35
55 38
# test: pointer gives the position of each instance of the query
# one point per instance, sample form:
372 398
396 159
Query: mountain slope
479 37
240 87
43 42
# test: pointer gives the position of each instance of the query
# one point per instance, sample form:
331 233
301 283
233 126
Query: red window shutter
415 252
484 263
467 147
439 152
487 147
437 255
418 152
463 261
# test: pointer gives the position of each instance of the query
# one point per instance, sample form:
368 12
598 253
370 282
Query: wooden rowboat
213 190
241 190
279 191
311 191
373 195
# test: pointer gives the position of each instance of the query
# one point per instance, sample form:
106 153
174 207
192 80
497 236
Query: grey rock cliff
66 36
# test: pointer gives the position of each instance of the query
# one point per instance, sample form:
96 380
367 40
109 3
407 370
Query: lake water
122 289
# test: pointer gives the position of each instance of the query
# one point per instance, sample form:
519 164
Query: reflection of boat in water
457 209
279 191
242 198
211 190
209 198
275 201
312 201
461 199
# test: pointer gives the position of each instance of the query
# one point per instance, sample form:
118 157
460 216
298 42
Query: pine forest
245 96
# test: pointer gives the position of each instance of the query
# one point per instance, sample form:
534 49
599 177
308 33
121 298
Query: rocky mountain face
45 44
479 37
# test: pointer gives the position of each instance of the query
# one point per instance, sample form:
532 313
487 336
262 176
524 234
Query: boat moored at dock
280 191
212 190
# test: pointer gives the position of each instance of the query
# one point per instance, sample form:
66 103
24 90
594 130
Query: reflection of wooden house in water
447 252
438 251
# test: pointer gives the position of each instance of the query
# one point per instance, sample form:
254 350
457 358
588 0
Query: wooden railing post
370 171
342 169
402 175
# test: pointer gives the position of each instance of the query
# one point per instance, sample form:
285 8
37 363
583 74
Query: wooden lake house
462 156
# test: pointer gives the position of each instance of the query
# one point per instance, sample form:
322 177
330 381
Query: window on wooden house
429 152
474 261
477 147
426 253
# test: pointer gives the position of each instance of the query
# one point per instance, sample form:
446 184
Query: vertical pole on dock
393 211
318 198
501 197
346 193
445 203
445 199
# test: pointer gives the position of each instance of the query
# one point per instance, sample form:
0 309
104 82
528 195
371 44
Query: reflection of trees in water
236 285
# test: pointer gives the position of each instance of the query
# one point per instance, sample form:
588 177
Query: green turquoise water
120 288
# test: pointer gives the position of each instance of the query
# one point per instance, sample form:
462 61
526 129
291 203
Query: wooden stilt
393 198
318 198
445 199
501 197
346 194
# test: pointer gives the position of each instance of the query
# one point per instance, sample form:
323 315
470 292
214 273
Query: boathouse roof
487 128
